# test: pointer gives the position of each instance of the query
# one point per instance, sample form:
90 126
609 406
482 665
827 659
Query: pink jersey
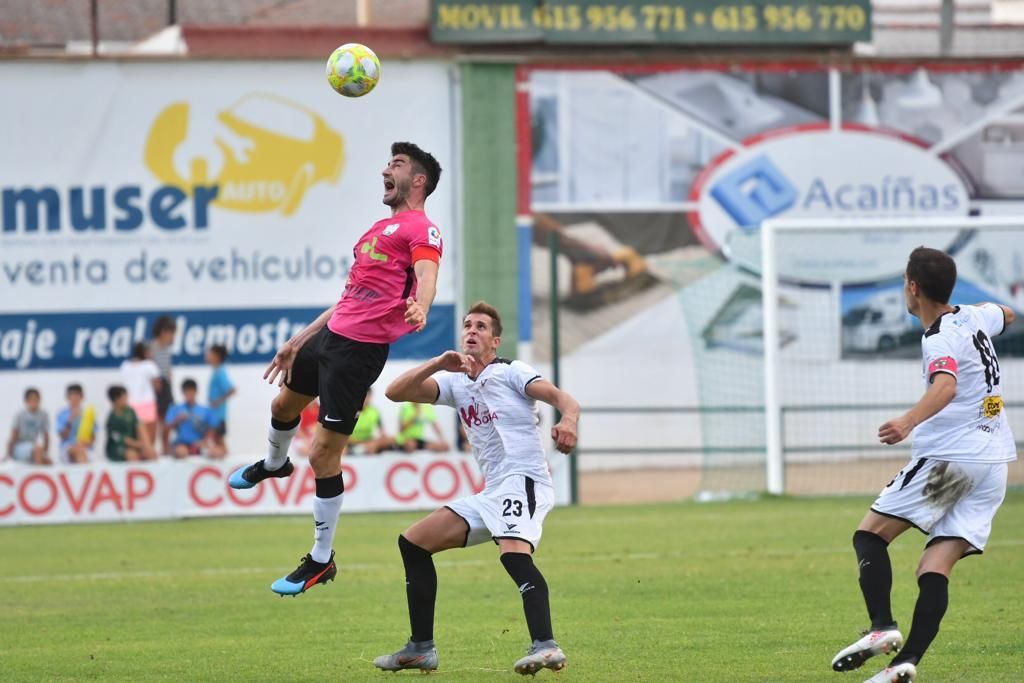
372 306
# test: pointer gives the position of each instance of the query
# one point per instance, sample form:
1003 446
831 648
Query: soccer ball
353 70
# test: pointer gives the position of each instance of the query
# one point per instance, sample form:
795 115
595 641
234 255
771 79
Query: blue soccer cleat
247 476
308 574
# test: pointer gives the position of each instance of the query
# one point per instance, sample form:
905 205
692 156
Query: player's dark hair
74 389
139 350
422 162
488 310
115 391
164 322
30 392
189 384
934 272
220 351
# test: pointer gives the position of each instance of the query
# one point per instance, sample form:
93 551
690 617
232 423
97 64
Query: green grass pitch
737 591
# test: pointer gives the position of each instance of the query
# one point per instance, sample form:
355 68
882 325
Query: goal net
841 353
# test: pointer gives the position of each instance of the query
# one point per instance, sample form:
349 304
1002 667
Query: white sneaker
900 673
873 643
542 655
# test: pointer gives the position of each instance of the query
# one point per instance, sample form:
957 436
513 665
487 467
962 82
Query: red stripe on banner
524 141
858 66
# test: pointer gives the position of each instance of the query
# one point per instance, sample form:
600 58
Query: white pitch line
378 566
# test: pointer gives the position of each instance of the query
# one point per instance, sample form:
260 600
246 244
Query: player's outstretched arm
417 385
280 368
938 396
563 433
416 310
1008 315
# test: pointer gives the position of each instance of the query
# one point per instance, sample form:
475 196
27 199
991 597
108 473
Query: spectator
413 419
142 381
194 425
163 339
124 442
369 436
30 436
76 426
220 390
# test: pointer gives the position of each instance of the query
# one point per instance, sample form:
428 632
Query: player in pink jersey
340 354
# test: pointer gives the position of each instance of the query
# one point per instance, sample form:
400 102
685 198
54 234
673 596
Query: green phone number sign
639 22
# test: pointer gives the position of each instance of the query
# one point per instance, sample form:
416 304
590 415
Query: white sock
325 518
278 441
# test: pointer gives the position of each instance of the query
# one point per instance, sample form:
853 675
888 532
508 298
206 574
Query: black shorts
164 398
340 371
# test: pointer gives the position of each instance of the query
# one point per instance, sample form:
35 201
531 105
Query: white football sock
325 518
278 442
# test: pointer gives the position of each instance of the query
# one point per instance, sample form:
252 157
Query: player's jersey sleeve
445 395
993 318
424 241
939 356
520 375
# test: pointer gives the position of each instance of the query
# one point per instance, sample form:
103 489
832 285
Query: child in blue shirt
194 425
220 390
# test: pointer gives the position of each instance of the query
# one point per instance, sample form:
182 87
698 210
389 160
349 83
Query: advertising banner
227 195
172 489
658 227
639 22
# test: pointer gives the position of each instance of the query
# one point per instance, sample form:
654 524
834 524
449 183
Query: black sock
284 426
875 577
931 606
534 590
420 589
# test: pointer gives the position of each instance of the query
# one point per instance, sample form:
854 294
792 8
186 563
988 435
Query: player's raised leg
284 423
871 543
440 530
318 565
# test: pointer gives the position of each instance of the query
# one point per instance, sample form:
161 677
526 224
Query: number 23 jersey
501 419
973 427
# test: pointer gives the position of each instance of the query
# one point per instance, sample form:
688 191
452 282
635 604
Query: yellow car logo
272 151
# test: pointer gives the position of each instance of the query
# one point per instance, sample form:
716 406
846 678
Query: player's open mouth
389 185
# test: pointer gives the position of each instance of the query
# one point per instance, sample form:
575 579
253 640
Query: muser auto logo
817 171
266 152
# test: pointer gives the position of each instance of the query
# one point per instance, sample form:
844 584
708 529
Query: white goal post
884 240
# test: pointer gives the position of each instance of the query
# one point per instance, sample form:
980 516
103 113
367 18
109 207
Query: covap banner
172 489
227 194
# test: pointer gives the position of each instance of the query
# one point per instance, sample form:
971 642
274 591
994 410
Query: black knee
521 568
866 542
410 551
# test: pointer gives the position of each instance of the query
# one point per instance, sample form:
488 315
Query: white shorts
23 451
946 499
515 508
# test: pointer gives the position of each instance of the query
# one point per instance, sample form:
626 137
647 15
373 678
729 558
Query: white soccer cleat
900 673
885 642
542 655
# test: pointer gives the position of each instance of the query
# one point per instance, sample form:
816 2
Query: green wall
489 241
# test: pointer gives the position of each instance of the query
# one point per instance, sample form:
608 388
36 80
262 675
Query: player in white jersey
956 477
496 401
